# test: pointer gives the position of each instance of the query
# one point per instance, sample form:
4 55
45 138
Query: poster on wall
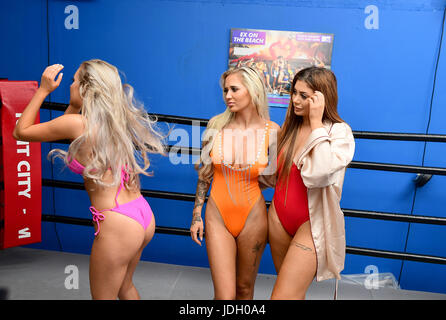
278 56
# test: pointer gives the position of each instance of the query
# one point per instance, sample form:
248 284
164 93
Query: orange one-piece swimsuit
235 190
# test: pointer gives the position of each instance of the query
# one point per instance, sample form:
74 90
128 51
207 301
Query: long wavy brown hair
317 79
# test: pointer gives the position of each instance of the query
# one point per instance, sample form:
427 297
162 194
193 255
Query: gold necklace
232 175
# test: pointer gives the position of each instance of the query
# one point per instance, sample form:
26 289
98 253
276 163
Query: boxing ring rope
347 212
358 134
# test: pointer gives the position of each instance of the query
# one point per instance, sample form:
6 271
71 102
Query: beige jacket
322 163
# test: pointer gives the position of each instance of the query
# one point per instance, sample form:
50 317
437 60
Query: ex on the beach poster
278 56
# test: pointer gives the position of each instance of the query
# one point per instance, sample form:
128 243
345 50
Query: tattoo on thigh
256 249
301 246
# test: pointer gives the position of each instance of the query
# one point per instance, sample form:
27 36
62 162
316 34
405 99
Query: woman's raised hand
316 110
49 83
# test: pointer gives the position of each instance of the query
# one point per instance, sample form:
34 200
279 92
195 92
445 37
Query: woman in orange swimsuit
235 158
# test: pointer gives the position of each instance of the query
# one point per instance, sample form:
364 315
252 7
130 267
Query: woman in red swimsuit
305 222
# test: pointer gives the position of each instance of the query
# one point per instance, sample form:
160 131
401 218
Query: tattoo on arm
196 217
200 197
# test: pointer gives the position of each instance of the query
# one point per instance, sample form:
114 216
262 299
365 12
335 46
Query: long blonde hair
118 131
253 82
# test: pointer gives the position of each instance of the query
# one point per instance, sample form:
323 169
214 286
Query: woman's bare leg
298 268
279 239
251 243
128 290
119 240
222 251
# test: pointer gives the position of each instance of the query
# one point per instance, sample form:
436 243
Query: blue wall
173 53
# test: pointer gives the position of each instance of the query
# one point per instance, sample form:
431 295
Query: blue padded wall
173 53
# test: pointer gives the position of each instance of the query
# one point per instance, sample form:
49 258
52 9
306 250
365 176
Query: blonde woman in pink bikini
111 136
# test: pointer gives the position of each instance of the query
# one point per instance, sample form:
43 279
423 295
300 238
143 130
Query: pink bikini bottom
138 209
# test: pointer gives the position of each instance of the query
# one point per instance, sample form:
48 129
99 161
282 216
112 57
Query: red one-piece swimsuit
291 205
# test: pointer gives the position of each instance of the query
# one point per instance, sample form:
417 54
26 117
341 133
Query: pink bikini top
78 168
75 166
